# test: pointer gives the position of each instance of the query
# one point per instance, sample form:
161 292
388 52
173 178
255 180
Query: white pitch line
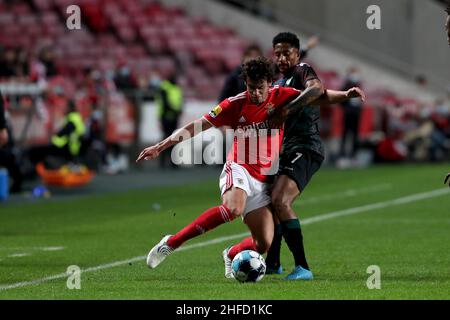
351 211
346 194
53 248
18 255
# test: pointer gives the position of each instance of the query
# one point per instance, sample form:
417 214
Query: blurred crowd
414 131
402 129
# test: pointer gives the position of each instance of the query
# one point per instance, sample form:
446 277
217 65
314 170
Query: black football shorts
300 166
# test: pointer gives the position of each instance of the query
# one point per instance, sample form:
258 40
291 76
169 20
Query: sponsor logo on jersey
242 119
215 112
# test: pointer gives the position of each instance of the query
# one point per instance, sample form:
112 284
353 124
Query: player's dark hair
258 69
286 37
448 7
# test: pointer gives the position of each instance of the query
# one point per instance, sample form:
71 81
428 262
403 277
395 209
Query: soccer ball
248 266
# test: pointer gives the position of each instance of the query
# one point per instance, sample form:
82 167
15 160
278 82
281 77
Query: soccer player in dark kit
301 156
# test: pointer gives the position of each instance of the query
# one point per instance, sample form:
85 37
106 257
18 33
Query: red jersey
256 146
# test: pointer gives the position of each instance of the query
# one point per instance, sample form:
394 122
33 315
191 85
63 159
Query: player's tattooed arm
187 132
333 96
329 97
314 90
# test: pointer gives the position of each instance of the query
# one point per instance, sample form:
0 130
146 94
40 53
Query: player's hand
356 92
447 179
3 137
312 42
277 118
148 153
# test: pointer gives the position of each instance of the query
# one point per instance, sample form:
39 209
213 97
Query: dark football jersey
301 128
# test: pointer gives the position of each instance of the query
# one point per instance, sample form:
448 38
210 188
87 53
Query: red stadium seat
43 5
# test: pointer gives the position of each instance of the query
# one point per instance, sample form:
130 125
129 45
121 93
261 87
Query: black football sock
273 255
292 234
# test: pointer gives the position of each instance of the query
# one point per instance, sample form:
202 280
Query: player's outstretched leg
234 204
208 220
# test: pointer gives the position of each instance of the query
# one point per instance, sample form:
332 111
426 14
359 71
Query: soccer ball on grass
248 266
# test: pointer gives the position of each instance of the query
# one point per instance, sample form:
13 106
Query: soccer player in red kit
246 177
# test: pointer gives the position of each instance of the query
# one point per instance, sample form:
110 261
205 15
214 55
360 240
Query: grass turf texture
409 242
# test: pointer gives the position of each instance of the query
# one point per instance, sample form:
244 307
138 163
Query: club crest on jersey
215 112
270 108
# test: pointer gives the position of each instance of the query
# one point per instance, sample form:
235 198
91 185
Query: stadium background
108 65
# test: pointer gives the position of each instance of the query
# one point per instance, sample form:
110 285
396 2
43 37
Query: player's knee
235 210
262 246
280 203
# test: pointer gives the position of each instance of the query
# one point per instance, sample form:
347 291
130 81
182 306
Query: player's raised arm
333 96
314 90
329 97
188 131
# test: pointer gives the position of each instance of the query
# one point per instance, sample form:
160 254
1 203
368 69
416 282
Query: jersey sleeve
305 73
224 114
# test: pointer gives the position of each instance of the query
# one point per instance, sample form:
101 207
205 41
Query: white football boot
227 261
159 253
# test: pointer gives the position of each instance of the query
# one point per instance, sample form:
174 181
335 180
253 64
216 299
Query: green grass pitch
409 240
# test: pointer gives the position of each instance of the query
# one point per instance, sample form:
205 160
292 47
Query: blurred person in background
351 115
3 129
22 63
66 143
440 136
8 63
234 84
123 77
310 44
417 133
390 147
47 58
169 103
7 157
